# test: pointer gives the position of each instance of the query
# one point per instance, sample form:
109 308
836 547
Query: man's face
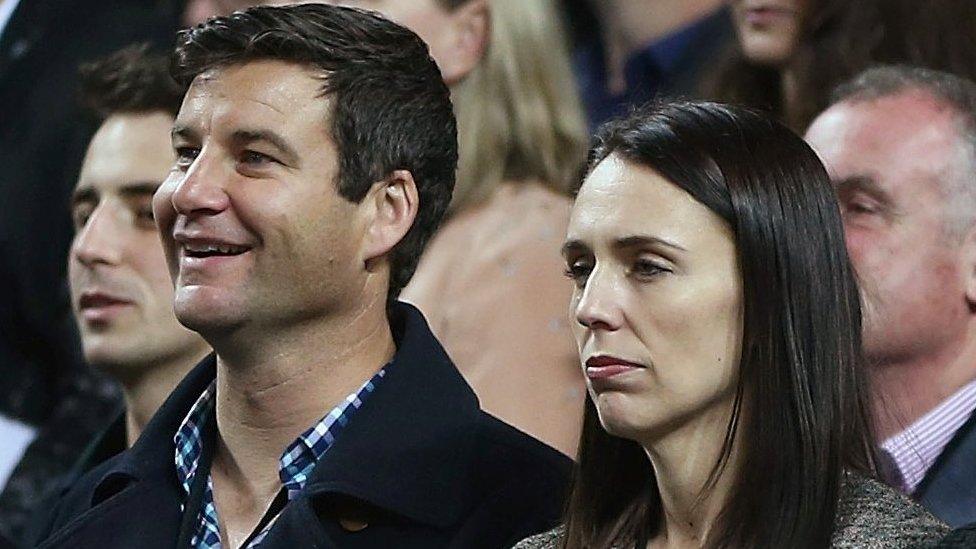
121 292
892 159
253 227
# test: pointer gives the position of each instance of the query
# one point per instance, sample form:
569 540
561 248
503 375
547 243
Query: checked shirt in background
294 466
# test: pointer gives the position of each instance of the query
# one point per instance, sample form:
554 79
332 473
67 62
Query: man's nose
100 240
202 188
599 307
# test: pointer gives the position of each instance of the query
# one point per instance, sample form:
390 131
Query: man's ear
395 202
968 251
470 33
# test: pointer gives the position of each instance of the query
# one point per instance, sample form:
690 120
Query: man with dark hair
900 143
121 293
315 155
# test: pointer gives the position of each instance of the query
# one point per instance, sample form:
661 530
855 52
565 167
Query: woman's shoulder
872 514
545 540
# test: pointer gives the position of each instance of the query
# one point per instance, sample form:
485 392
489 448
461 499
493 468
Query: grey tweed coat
870 516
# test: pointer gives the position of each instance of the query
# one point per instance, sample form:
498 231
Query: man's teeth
214 248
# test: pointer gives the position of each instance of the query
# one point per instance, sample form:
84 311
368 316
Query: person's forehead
904 137
127 148
621 197
271 90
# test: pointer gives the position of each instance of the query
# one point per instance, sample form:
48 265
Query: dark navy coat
421 466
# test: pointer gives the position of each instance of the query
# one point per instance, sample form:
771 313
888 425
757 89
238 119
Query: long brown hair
800 372
841 38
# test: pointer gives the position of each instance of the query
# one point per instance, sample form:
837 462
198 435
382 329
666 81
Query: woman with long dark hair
718 324
792 53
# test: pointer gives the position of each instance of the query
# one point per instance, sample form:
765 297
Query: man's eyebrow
182 130
246 136
862 183
83 195
139 188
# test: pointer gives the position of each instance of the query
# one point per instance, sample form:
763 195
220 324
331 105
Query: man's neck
629 25
145 392
908 389
266 399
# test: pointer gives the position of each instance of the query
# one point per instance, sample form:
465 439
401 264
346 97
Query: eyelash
644 269
186 155
249 157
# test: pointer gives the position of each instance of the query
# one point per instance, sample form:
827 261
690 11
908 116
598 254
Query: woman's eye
647 269
578 271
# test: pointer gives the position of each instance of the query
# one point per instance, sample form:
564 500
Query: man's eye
145 213
186 155
80 215
254 158
861 208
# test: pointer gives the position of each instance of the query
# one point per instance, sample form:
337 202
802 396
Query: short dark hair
131 80
392 109
801 402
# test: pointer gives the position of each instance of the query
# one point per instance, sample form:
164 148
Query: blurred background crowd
530 81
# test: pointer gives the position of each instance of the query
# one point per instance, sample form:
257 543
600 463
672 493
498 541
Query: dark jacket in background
678 65
42 141
421 465
949 487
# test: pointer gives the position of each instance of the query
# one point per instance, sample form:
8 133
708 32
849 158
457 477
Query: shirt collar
298 459
915 449
189 437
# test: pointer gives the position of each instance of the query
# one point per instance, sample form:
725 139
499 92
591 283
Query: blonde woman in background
491 281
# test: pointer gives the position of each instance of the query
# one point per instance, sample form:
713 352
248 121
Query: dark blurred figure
900 146
42 139
794 52
629 51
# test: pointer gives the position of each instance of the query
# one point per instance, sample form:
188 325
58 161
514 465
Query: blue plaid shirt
294 466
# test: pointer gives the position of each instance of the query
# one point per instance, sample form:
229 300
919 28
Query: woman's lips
603 367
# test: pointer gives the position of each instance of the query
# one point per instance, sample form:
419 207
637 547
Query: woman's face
657 305
769 30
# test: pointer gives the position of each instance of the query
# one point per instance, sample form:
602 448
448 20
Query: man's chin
206 313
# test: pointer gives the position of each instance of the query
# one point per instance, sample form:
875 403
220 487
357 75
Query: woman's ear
469 35
395 203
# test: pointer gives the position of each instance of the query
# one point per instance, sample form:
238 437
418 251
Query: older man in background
900 144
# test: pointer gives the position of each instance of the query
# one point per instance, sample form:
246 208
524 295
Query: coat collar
410 448
407 451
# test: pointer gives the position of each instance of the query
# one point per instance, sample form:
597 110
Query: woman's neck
683 461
